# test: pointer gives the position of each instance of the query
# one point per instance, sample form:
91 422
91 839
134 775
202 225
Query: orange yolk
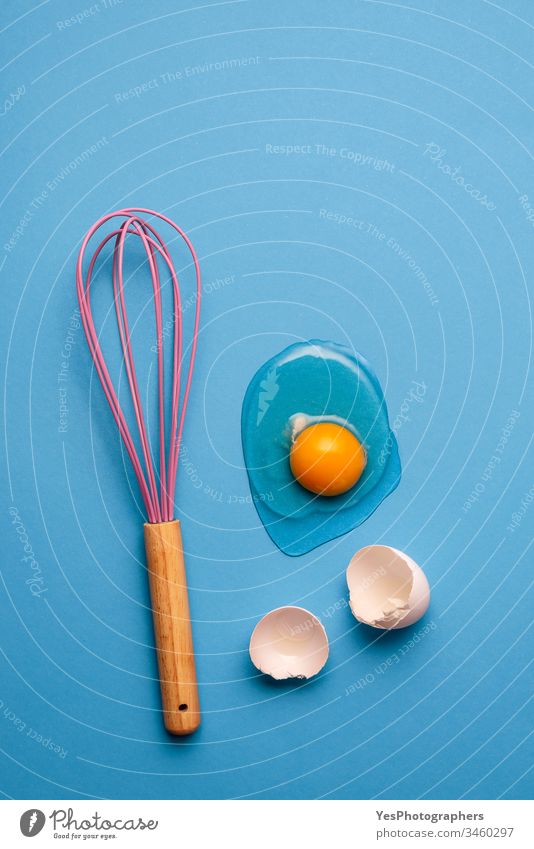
326 458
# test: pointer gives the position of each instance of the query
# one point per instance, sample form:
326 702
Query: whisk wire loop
159 503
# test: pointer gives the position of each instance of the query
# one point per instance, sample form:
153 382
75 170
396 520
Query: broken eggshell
289 642
387 588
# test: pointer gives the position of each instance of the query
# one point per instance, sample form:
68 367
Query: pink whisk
163 541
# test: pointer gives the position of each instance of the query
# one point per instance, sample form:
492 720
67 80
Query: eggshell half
387 588
289 642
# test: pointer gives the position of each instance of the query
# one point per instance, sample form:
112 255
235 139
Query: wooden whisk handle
172 627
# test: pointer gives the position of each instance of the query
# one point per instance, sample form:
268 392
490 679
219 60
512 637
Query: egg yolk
326 458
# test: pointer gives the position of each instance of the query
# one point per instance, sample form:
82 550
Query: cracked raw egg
319 452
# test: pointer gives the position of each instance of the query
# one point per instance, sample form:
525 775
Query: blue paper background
441 710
